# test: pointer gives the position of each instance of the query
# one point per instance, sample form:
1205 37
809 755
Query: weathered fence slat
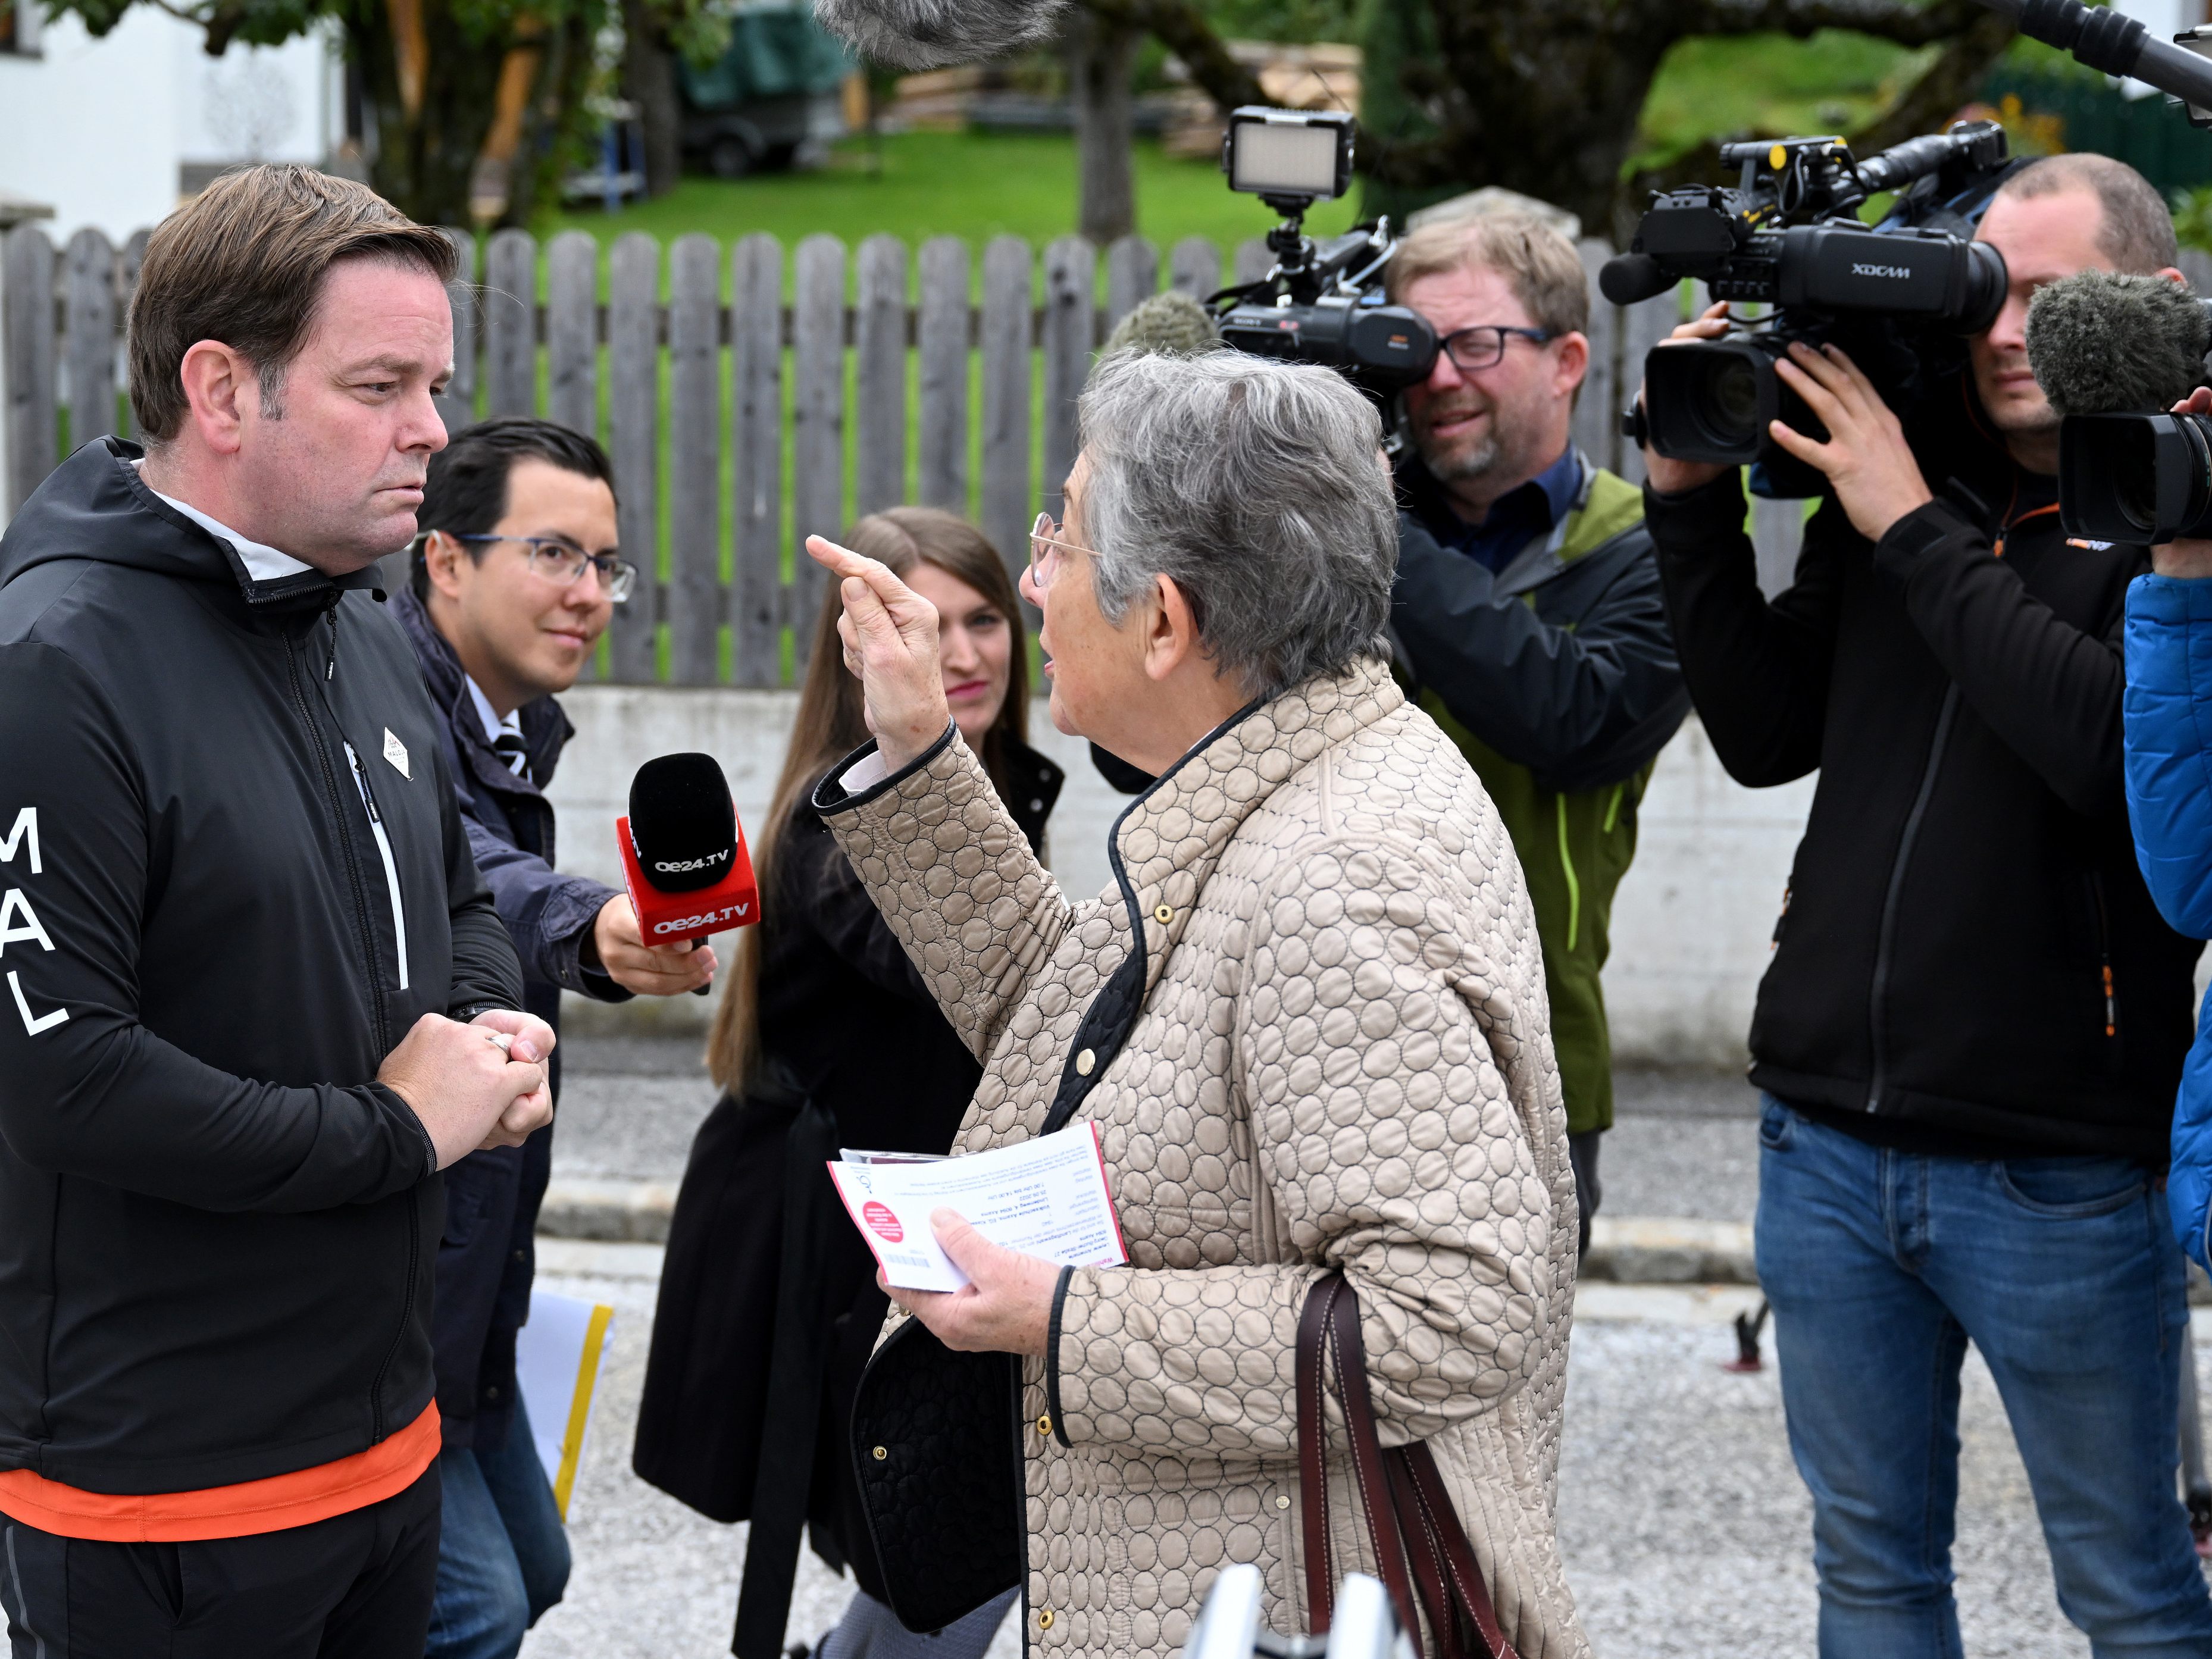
879 342
571 330
28 285
456 404
134 260
510 314
632 429
818 424
1195 267
1133 275
942 337
1597 427
1255 259
89 336
695 419
1006 502
757 400
1070 318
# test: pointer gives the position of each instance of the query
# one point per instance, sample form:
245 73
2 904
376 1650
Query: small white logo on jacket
396 752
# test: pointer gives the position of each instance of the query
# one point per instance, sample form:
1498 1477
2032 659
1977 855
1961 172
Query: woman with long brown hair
826 1038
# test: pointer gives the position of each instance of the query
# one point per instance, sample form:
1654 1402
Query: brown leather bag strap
1313 1455
1337 1322
1441 1525
1431 1575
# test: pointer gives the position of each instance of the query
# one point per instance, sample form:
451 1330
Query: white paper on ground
1045 1197
556 1364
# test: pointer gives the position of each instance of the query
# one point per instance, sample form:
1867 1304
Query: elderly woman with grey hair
1307 1019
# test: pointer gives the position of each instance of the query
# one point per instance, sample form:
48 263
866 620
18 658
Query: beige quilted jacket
1328 1050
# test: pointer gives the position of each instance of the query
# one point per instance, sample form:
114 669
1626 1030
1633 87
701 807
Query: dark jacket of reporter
216 1228
1967 959
487 1257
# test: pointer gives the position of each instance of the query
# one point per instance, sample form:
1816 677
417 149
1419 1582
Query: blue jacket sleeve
548 914
2167 717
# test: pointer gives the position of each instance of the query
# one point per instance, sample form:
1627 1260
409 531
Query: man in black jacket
257 995
515 577
1970 1032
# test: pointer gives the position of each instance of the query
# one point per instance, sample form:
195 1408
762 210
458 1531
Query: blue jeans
1881 1267
502 1556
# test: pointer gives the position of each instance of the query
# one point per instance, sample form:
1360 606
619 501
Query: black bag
938 1450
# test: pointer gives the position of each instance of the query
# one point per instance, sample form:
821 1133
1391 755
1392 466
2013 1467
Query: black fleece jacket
1966 958
216 1228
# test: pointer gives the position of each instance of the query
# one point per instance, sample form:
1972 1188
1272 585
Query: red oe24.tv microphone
683 855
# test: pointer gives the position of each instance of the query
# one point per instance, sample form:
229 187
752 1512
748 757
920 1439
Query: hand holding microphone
648 970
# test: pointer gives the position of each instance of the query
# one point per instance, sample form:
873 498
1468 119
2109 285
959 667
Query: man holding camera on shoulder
515 575
1970 1034
1527 609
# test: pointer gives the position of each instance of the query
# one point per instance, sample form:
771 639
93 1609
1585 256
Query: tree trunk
1101 54
434 90
648 79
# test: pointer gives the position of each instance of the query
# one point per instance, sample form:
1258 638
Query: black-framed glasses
562 562
1483 346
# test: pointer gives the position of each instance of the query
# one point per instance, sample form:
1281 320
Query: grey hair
1257 488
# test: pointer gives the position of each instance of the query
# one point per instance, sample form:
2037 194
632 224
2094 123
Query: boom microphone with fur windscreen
683 855
925 34
2114 353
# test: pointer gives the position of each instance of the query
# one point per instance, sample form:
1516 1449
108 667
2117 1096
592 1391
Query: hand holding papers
1044 1197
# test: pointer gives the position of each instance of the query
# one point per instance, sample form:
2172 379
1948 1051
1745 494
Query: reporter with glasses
1968 1038
1526 614
515 575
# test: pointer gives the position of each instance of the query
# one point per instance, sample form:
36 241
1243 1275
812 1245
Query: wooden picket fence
734 412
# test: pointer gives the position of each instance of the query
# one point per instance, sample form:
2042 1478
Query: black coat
215 1226
486 1256
863 1059
1966 957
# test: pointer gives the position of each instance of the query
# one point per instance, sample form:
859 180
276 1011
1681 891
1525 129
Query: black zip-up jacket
216 1230
1966 958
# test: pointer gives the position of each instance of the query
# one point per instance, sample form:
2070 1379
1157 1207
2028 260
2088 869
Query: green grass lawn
974 185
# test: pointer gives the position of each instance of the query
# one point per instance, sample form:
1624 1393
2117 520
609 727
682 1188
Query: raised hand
890 635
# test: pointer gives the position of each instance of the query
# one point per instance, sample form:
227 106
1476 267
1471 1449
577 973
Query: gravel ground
1685 1527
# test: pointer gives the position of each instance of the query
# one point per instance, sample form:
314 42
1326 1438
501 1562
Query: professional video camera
1787 236
1322 302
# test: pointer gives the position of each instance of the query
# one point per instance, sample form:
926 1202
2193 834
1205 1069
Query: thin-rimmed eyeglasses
562 562
1045 550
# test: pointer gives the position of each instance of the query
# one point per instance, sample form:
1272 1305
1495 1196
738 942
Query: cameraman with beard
1970 1035
1526 611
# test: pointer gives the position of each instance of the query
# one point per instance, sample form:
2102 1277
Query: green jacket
1558 680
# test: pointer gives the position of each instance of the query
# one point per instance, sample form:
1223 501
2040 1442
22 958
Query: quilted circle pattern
1342 1060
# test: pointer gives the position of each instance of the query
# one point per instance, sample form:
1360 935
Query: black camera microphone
2114 353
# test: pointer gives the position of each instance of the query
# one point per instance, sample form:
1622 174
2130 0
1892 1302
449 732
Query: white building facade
109 133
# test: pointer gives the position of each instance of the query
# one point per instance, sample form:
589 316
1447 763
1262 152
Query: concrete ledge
1668 1250
608 1212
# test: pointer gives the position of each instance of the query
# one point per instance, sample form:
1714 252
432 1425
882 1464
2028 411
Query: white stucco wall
97 128
1690 926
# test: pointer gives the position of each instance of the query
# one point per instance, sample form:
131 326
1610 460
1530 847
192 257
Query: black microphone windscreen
2101 343
923 34
1172 322
1627 278
682 824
